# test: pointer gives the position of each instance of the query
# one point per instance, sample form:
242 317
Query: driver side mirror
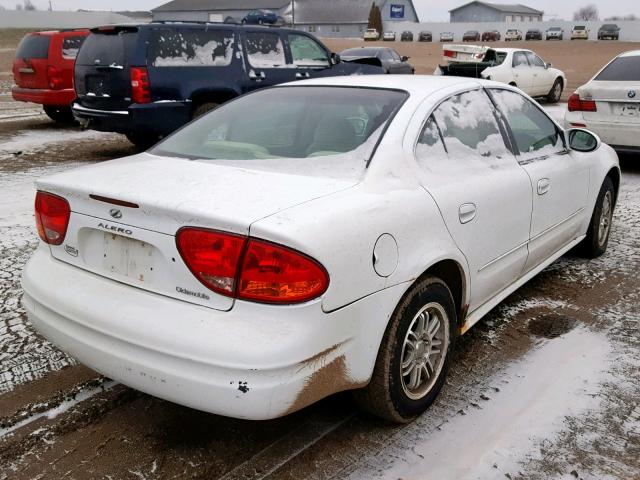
547 65
582 140
404 58
334 59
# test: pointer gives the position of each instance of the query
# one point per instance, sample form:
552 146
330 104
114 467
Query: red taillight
450 53
250 269
140 87
54 77
576 104
275 274
52 217
212 256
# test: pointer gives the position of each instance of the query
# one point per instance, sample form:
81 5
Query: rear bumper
159 118
255 361
44 96
622 137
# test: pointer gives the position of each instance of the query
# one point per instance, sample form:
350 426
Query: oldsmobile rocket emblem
115 213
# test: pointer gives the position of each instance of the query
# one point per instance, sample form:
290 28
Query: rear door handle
257 76
302 75
543 186
467 212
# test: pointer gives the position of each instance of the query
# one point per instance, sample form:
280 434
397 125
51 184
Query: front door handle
302 75
467 212
543 186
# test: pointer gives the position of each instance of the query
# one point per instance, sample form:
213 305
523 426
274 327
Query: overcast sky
428 10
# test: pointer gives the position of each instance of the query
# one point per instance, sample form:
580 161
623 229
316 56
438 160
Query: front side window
535 134
535 60
520 60
294 123
265 50
306 52
469 127
70 46
191 47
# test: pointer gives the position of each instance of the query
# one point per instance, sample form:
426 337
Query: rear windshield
296 123
191 48
608 27
621 69
34 46
579 27
106 48
359 52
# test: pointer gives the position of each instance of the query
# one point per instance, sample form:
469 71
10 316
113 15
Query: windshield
289 122
622 69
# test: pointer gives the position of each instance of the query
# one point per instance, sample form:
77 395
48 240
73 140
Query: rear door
522 72
559 176
102 70
265 58
30 64
482 192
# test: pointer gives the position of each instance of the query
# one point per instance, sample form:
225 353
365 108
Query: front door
309 58
559 176
542 78
483 194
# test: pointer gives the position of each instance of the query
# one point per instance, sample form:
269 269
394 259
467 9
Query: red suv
43 71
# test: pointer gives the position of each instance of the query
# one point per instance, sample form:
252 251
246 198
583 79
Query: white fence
629 30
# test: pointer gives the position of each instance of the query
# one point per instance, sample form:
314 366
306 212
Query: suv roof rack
200 22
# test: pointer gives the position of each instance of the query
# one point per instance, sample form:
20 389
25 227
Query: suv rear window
191 48
34 46
622 69
71 45
105 48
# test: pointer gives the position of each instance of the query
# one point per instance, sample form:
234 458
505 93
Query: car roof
418 85
630 53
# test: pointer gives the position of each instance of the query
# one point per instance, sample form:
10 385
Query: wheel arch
217 96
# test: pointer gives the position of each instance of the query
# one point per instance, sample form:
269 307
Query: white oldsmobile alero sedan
320 236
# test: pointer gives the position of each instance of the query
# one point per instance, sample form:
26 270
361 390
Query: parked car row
578 32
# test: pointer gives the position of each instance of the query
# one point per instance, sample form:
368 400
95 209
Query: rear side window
469 127
307 52
191 48
71 46
264 50
623 69
34 46
106 48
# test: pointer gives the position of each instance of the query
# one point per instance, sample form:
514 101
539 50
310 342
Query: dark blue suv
145 81
262 17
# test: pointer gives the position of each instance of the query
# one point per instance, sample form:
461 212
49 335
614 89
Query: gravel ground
546 386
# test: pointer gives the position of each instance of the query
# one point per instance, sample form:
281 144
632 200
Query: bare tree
375 18
18 6
618 18
28 5
587 13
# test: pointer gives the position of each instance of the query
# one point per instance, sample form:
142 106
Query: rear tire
555 93
143 141
203 108
414 354
597 239
62 115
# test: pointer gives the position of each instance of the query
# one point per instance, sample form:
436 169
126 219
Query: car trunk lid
31 61
616 101
103 68
125 214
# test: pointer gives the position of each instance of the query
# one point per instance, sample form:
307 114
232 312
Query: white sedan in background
609 104
320 236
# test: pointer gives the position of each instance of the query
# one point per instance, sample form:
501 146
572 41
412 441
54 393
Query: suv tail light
576 104
52 217
54 77
250 269
140 87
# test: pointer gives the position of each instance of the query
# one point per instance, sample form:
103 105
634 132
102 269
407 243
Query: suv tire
62 115
143 141
414 354
203 108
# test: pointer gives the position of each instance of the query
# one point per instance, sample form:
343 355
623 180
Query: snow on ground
38 139
529 407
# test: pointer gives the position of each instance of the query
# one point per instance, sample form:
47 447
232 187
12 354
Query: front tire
597 239
414 355
555 93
